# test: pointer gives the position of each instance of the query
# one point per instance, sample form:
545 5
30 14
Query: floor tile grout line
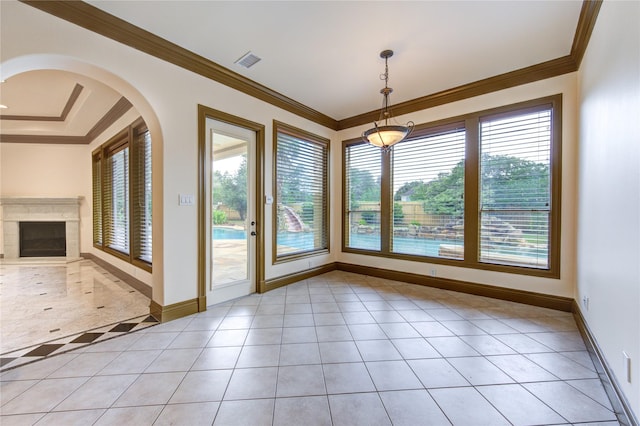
62 350
74 334
388 339
530 393
587 395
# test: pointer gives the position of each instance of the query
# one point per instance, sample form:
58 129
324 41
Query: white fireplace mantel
40 209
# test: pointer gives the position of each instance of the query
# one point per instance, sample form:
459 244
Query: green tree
290 189
442 195
219 217
308 213
362 187
407 190
398 214
231 189
445 194
507 181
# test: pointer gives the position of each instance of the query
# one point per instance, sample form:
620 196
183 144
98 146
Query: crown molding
586 22
103 23
100 22
541 71
73 97
44 139
116 111
519 77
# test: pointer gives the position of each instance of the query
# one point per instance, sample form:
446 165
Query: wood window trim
137 128
280 127
471 210
122 140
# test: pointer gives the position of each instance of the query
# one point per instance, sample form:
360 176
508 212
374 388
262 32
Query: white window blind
142 201
428 195
117 200
481 191
515 188
301 193
363 169
122 203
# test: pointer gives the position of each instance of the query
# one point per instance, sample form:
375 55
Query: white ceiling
45 93
325 54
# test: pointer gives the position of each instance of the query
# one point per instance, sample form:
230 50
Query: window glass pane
515 189
142 197
363 179
229 188
118 226
301 194
122 191
428 195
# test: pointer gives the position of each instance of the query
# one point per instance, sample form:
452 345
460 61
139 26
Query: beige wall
609 209
36 170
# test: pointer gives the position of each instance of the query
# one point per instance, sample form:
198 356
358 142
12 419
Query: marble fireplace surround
40 209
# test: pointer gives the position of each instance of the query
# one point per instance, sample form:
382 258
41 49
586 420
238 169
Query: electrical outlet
433 272
585 302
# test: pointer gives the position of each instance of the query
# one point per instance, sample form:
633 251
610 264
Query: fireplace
42 239
57 217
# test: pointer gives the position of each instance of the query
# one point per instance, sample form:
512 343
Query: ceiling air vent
248 60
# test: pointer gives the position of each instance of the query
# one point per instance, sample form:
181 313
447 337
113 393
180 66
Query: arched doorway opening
59 158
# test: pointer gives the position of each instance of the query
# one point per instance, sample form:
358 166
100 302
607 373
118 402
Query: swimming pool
299 240
221 233
305 240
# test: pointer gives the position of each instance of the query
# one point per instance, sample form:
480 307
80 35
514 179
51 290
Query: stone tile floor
337 349
50 306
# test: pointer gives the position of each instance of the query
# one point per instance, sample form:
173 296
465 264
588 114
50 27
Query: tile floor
56 302
337 349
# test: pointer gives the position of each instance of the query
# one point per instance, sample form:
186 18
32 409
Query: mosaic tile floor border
10 360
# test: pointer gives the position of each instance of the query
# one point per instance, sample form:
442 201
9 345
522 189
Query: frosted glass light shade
385 136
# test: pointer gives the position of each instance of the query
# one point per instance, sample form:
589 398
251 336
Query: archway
57 62
25 64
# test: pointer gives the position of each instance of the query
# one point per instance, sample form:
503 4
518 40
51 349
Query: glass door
231 211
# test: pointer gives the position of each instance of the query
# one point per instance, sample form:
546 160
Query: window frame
280 127
138 159
471 257
117 145
96 202
125 139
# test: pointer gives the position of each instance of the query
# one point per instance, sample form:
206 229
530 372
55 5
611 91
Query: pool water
229 234
304 241
299 240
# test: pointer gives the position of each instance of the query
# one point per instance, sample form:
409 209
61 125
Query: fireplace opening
43 239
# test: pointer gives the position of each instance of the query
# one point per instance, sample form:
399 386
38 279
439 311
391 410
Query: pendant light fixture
383 134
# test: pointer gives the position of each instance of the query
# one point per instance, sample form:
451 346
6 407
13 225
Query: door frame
204 113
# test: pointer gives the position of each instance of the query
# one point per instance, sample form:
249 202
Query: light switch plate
186 200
